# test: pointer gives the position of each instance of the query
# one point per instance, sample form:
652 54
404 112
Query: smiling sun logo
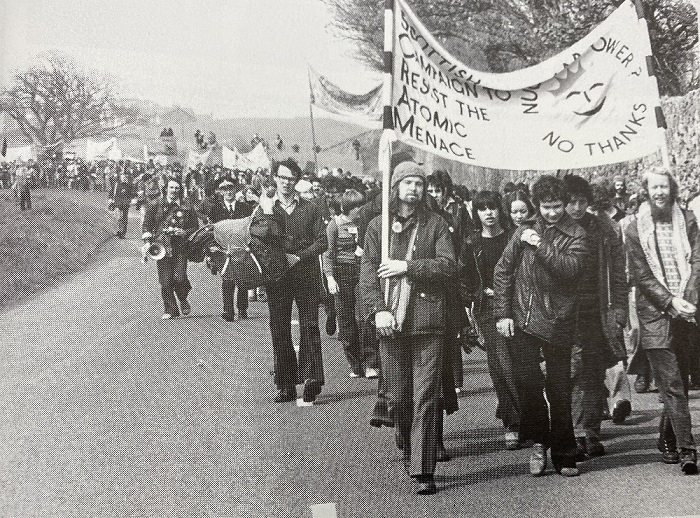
584 90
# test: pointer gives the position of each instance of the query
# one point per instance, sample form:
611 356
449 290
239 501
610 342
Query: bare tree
55 99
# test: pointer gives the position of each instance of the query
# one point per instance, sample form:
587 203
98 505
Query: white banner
334 99
234 159
100 150
589 105
22 153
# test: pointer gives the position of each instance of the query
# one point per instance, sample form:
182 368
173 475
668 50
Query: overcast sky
231 58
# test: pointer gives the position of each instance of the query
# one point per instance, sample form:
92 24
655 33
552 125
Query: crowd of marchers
569 286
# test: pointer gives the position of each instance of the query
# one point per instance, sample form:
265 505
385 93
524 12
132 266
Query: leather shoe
621 411
380 415
538 460
242 313
312 388
565 466
442 455
594 448
689 461
426 485
641 384
286 394
229 317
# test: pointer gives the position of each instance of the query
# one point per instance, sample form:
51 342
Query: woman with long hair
517 207
477 261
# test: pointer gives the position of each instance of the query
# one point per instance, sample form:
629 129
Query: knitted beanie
404 170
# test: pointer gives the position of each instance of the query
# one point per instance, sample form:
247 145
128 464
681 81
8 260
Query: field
59 236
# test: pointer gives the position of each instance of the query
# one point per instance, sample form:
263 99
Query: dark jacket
159 215
537 287
653 298
605 241
216 210
471 271
432 268
122 194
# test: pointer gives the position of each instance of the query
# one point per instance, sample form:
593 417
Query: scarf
681 245
399 288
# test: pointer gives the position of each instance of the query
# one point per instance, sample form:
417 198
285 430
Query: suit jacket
216 210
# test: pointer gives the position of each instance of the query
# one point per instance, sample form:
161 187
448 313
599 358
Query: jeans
551 426
172 275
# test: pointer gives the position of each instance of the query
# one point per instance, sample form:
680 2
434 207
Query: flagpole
313 131
388 135
658 111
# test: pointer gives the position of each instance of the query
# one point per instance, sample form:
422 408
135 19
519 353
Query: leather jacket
537 287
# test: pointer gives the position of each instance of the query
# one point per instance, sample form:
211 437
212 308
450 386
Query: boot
667 441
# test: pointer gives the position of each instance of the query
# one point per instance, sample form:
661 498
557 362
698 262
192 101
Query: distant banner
256 159
592 104
333 99
22 153
99 150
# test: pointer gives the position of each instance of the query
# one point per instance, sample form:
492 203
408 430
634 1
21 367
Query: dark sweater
304 230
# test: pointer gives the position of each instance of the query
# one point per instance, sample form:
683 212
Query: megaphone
154 251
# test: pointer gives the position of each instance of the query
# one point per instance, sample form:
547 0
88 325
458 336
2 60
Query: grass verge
60 235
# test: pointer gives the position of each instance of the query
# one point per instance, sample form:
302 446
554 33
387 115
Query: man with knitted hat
410 319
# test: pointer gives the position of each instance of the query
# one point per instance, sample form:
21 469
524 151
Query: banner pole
388 134
313 130
658 112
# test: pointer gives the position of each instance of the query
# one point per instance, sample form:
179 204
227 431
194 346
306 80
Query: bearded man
664 262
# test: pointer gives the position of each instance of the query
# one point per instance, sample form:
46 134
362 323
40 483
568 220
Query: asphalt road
110 412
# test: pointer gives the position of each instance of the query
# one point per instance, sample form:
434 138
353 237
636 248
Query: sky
230 58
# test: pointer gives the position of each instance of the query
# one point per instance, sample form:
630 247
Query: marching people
21 186
412 324
439 187
663 250
226 206
120 201
306 240
477 263
341 264
600 319
535 291
169 222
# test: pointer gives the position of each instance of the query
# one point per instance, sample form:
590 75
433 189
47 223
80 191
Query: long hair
486 200
516 195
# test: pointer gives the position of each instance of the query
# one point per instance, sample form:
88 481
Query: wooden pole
313 130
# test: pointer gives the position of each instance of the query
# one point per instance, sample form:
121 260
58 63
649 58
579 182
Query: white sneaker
301 402
371 373
458 390
166 316
354 374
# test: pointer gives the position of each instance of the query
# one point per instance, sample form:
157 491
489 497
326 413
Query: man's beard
662 214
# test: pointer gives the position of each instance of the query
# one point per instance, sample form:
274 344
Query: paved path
110 412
